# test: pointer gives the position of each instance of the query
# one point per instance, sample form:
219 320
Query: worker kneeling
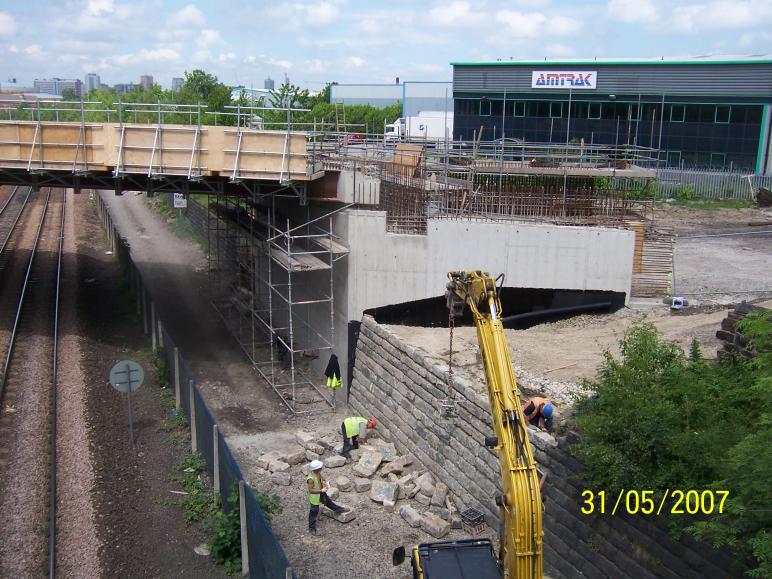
317 494
539 412
352 428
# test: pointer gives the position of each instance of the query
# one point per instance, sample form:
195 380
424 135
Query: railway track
29 308
12 206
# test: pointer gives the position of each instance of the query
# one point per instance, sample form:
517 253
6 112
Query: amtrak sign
564 79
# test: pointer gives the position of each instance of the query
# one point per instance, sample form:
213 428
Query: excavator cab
472 558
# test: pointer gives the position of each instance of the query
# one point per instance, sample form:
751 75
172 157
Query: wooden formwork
190 150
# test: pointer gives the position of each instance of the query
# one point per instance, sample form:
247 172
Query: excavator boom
520 505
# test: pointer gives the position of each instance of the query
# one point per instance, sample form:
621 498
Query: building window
677 113
519 108
485 108
594 110
723 114
717 160
556 110
497 107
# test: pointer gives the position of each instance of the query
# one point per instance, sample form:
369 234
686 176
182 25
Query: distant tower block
268 83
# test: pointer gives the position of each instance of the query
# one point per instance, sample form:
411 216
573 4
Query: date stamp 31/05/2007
649 502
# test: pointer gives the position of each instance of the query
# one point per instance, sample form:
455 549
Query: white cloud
98 8
354 62
35 52
188 17
7 24
208 38
455 14
643 11
535 24
298 15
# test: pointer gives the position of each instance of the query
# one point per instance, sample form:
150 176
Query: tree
657 419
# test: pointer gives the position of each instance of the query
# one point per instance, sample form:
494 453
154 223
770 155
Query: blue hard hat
547 410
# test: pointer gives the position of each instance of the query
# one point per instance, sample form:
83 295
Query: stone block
412 516
426 483
455 521
405 490
304 438
361 484
335 461
395 467
434 525
305 469
387 449
422 499
346 517
442 513
281 478
333 493
294 456
343 483
368 464
440 492
278 466
381 491
392 477
311 455
390 506
330 441
541 438
316 448
268 458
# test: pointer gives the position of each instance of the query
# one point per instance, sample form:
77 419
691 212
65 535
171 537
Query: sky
349 41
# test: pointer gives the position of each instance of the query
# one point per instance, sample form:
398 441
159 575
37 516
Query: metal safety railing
262 556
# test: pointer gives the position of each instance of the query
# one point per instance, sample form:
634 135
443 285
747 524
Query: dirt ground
720 270
550 358
139 521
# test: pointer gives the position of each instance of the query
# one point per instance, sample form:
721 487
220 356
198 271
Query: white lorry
427 125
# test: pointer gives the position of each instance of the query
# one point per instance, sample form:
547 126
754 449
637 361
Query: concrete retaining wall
397 383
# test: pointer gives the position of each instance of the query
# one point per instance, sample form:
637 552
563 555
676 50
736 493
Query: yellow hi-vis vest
314 498
352 425
334 382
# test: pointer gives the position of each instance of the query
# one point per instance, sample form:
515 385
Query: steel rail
20 304
55 349
10 197
16 221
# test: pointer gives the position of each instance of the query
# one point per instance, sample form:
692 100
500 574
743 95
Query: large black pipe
550 312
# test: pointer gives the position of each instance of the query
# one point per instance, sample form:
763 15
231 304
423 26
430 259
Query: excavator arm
520 554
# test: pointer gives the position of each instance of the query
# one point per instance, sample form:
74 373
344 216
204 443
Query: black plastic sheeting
521 308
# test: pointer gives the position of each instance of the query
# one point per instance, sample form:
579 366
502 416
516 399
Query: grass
712 204
200 503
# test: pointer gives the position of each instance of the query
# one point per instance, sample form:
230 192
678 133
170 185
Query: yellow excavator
520 536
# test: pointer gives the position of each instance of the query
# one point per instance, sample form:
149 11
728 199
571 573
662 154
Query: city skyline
346 41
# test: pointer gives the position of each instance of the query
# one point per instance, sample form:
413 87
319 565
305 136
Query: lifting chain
448 405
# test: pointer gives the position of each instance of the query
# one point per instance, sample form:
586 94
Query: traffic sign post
127 376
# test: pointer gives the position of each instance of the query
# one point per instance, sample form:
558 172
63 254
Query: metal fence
704 184
262 555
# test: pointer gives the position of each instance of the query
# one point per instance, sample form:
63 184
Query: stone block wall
398 383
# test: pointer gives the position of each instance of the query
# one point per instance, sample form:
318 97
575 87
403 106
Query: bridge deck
193 152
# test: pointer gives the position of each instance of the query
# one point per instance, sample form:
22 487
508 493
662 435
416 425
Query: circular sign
127 375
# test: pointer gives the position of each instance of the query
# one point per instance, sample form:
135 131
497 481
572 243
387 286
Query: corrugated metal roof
659 60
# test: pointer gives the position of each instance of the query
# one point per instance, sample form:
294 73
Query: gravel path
26 403
77 541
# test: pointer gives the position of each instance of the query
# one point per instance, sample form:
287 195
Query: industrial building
700 112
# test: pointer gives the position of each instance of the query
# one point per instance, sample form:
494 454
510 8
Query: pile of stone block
394 481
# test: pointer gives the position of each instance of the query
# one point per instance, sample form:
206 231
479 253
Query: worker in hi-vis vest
352 428
317 494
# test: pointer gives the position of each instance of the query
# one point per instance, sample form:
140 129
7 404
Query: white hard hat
316 464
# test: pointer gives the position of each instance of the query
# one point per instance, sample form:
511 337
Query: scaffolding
274 287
